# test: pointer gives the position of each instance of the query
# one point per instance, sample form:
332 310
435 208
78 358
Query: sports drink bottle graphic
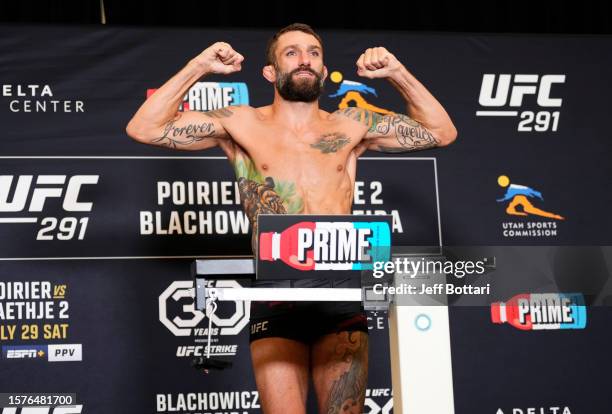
539 311
284 246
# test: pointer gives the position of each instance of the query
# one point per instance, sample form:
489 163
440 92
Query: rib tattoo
263 195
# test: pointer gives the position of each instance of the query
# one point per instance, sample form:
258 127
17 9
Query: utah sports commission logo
207 96
524 205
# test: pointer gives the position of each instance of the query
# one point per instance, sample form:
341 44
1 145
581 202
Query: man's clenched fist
220 58
377 62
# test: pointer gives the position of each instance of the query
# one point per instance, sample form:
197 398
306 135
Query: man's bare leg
281 373
340 372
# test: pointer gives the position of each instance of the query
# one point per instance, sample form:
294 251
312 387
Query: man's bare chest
317 146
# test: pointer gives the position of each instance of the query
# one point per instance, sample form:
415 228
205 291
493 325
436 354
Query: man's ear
325 73
269 72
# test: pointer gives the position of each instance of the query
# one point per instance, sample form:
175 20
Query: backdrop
98 231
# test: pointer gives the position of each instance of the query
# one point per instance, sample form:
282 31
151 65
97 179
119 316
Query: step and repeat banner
98 232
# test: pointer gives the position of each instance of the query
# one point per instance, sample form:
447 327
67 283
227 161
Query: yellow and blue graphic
519 203
354 93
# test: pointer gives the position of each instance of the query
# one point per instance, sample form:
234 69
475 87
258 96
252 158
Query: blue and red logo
539 311
328 245
208 96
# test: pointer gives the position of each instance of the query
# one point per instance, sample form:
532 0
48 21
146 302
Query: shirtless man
292 157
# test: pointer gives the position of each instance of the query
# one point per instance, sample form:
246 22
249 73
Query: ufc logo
518 88
259 327
54 188
190 350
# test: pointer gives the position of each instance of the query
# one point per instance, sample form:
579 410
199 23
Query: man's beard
302 90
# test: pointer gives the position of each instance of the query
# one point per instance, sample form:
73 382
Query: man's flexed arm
426 123
158 121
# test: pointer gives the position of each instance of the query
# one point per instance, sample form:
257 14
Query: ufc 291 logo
506 94
25 197
177 310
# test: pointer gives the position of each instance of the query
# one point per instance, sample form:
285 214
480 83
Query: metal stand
418 329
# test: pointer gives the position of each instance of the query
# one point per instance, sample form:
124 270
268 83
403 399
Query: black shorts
306 321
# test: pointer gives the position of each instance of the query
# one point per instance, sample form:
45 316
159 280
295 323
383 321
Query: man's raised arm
158 121
426 123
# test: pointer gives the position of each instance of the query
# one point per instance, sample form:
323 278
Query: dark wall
437 15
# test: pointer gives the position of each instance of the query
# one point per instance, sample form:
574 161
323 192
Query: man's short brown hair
294 27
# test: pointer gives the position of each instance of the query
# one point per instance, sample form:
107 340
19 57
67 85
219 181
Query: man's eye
290 53
315 53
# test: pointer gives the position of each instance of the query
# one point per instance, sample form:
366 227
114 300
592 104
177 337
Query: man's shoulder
351 112
229 115
239 109
249 111
353 116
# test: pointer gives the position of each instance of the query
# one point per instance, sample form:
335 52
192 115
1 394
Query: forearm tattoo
409 134
331 142
177 137
347 393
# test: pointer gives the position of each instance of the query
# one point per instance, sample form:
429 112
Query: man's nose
304 59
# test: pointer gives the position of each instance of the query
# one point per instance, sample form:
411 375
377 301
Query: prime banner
98 232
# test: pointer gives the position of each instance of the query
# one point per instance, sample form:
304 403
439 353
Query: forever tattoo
331 142
175 137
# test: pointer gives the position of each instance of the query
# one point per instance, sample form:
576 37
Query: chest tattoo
333 142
